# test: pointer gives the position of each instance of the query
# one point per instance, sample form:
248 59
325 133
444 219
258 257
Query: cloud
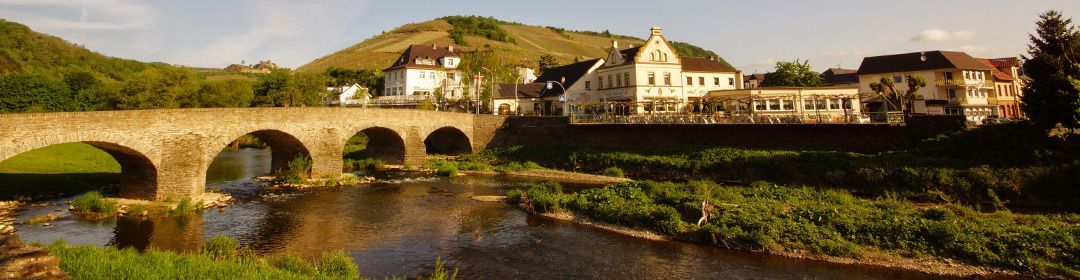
970 49
941 35
113 14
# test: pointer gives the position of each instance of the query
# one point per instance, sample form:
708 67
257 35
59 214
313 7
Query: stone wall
558 131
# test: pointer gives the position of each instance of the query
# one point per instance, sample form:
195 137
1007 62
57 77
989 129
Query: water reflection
401 224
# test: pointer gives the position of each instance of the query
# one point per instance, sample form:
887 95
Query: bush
447 171
186 208
370 164
531 165
93 203
612 172
337 264
298 171
293 264
220 247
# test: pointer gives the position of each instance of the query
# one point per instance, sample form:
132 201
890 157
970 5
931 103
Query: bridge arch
383 143
138 172
448 140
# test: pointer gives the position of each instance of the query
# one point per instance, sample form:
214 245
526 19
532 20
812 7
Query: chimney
614 44
656 30
451 47
434 46
631 46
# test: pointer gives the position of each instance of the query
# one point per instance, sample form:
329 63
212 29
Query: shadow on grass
33 185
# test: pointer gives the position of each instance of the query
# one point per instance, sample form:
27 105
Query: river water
401 224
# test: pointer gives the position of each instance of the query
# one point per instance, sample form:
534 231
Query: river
401 224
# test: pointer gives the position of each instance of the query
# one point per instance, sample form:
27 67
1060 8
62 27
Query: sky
752 35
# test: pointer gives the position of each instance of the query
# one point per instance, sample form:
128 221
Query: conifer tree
1052 97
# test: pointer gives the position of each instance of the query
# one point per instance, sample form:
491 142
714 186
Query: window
774 105
716 81
626 79
730 81
759 106
601 84
652 78
689 81
788 105
808 104
588 85
834 104
952 93
819 104
897 79
610 83
846 103
667 79
652 56
422 75
618 82
967 75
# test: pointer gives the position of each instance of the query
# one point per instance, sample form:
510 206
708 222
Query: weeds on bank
220 258
766 217
94 204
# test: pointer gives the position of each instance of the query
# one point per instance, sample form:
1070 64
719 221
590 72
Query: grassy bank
806 221
992 165
65 168
219 259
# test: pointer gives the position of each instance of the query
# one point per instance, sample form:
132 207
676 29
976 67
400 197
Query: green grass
999 165
65 168
220 258
92 203
766 217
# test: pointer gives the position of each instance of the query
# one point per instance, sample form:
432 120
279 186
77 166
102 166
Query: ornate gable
657 50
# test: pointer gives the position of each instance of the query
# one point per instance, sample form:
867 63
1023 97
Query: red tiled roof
998 74
702 64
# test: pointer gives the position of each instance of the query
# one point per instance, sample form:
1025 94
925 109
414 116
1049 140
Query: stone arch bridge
164 154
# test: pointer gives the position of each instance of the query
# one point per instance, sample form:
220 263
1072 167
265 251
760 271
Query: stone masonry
164 154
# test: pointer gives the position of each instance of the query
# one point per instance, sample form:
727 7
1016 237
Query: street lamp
492 78
562 79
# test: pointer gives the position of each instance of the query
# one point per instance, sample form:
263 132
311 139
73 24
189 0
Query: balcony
962 83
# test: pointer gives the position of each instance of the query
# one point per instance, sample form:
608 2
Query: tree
158 88
1052 97
223 94
547 61
307 89
893 98
792 74
22 92
271 89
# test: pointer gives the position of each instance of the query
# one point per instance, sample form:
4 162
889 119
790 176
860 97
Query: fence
861 118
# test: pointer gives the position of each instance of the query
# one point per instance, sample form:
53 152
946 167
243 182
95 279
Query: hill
509 41
23 50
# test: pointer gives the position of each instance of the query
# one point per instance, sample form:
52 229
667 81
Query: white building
420 72
536 98
654 79
345 96
832 104
956 83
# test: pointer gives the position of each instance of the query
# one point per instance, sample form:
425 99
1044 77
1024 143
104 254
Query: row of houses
653 79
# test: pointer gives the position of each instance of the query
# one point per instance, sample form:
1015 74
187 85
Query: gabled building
956 83
839 76
653 78
1009 84
345 96
753 80
420 72
536 98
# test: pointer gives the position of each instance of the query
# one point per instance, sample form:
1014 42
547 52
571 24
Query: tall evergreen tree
1053 96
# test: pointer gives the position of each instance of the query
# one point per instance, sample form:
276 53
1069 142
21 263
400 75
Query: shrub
298 171
440 272
220 247
447 171
370 164
293 264
93 203
337 264
612 172
186 208
531 165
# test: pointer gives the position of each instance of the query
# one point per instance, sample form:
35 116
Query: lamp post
549 87
492 78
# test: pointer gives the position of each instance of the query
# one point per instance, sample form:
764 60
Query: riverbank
220 258
528 169
993 166
828 225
